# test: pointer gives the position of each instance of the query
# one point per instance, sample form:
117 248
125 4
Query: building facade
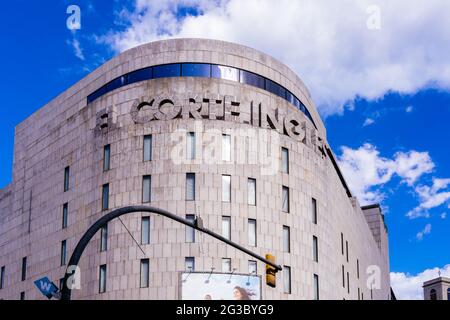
437 289
199 128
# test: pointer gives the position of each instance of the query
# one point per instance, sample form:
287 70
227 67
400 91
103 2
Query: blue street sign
46 287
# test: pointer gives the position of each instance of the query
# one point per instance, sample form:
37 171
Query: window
275 88
251 191
252 79
66 178
189 263
226 147
314 211
448 294
343 276
24 268
106 157
226 227
2 277
433 295
102 279
104 238
146 189
252 232
223 72
167 71
190 232
286 239
285 160
285 199
145 268
190 186
145 230
357 268
65 215
346 249
139 75
342 243
226 265
359 294
287 279
105 197
226 188
22 295
252 267
63 252
61 283
315 249
196 70
316 287
190 146
148 147
116 83
348 282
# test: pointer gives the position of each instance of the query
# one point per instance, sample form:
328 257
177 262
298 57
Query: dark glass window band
203 70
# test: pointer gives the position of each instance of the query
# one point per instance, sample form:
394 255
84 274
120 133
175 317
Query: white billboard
219 286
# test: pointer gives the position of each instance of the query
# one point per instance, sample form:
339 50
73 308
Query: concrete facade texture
353 258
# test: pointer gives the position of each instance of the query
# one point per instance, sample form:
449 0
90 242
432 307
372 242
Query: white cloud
409 109
368 122
327 43
430 197
76 46
409 287
443 215
364 169
426 230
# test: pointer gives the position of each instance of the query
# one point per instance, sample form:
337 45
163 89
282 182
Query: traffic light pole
197 225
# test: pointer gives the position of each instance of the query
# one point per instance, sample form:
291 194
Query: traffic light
271 272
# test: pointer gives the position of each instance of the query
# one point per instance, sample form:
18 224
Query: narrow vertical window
145 273
24 268
226 188
315 249
226 265
105 197
251 194
146 189
252 267
104 238
63 252
2 277
285 199
287 279
285 160
359 294
190 146
348 282
190 232
286 239
342 243
252 232
66 178
190 186
145 230
22 295
226 227
316 287
226 147
107 158
189 264
357 268
65 215
148 147
346 249
314 211
343 276
102 279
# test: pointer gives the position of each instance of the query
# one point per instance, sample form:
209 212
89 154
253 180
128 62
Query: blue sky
397 121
